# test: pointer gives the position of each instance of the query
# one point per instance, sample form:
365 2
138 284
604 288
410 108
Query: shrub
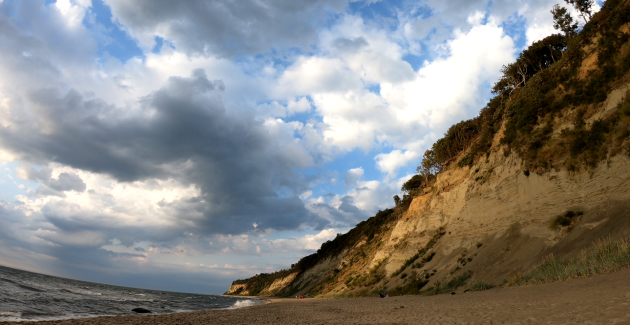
421 252
411 288
414 182
564 220
439 287
480 286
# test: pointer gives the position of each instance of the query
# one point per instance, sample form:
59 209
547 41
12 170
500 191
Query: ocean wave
243 303
30 288
10 315
68 299
82 292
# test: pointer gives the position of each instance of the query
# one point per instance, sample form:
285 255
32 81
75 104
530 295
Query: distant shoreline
597 299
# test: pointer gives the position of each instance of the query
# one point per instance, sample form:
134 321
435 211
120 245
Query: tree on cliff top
584 7
563 21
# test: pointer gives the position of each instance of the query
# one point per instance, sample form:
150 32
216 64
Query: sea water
32 296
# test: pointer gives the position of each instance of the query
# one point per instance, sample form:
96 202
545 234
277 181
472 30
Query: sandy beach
603 299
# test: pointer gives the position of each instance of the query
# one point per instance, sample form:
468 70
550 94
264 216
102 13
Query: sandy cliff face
509 214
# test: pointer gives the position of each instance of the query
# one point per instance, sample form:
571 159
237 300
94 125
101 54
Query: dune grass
439 287
605 256
480 286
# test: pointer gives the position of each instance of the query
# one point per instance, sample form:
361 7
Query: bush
480 286
421 252
439 288
414 182
411 288
564 220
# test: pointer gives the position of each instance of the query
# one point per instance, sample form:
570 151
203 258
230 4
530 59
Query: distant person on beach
383 295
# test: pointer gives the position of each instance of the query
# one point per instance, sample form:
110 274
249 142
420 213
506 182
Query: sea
28 296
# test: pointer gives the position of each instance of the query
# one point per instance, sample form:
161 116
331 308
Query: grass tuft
604 257
480 286
439 287
421 252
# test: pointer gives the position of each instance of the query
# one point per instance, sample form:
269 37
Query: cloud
225 28
67 182
390 162
180 131
350 45
352 176
447 88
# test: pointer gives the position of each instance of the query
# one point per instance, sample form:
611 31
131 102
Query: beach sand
603 299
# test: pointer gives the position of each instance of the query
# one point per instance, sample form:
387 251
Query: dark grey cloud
67 182
347 214
226 27
350 45
49 185
180 131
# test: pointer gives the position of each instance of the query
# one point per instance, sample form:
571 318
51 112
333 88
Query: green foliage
563 21
421 252
539 99
453 284
333 247
257 283
414 182
537 57
603 257
396 200
584 7
457 139
374 276
424 261
480 286
411 288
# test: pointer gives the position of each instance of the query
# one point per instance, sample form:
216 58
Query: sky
181 145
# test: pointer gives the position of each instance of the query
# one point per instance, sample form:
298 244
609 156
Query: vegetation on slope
371 231
549 87
605 256
540 88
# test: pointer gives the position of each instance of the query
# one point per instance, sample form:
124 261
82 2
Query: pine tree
563 21
584 7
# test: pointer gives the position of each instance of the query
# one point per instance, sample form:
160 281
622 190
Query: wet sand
603 299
